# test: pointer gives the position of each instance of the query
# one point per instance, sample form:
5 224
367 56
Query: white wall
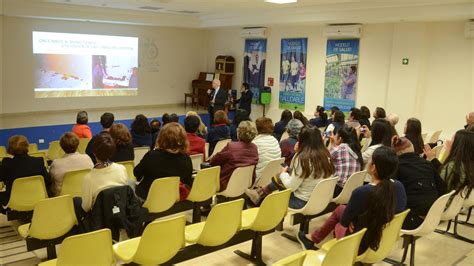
436 86
181 58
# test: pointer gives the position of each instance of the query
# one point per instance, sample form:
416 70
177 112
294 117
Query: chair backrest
72 182
82 145
54 150
219 146
3 151
435 137
433 216
320 197
205 185
344 251
272 211
454 207
160 241
163 194
129 165
438 150
240 180
197 159
52 218
32 147
285 135
469 202
390 236
139 153
94 248
222 224
354 181
40 154
26 192
424 136
270 170
292 260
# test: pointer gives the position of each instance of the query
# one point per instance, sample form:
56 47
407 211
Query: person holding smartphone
310 165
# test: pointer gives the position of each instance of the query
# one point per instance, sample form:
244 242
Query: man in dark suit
217 98
245 101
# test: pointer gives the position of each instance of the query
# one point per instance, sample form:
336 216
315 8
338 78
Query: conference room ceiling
222 13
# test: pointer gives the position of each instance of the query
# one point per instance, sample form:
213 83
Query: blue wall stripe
54 132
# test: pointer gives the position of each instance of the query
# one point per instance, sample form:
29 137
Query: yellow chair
284 136
219 146
222 224
52 219
160 242
33 147
334 252
26 192
72 182
292 260
205 185
3 151
139 152
390 236
263 220
55 151
40 154
82 145
197 159
240 180
163 194
94 248
270 170
435 137
129 165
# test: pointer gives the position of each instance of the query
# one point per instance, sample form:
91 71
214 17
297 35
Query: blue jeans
296 203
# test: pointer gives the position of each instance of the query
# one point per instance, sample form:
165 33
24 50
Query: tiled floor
434 249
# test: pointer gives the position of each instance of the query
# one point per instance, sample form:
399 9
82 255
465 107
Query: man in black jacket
217 98
422 182
245 101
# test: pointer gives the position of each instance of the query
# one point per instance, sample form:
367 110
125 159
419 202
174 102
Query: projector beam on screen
78 65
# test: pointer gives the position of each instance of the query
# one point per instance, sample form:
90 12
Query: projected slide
75 65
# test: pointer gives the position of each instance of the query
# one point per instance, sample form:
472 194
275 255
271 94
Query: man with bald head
217 98
469 120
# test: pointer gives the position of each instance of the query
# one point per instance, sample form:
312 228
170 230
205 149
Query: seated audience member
287 146
354 117
21 165
310 165
104 175
380 135
364 116
71 161
337 122
155 126
81 129
246 96
422 183
370 206
379 113
141 132
320 118
196 144
169 158
202 130
469 120
106 121
219 131
413 133
123 143
392 118
267 145
300 116
174 118
345 155
237 154
240 115
333 109
166 119
280 126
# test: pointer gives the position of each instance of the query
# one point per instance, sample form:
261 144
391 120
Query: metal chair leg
406 243
51 251
412 252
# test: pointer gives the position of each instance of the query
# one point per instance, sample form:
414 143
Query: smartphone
362 130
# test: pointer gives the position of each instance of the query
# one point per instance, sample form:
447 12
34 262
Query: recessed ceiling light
281 1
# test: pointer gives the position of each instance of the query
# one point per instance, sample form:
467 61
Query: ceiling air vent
152 8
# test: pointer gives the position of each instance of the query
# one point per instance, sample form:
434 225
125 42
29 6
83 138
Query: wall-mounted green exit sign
405 61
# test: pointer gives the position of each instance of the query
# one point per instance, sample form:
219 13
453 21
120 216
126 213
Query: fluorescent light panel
281 1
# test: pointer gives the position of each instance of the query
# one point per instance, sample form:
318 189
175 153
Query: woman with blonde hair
202 130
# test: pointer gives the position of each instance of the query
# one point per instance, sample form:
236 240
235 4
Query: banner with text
340 87
293 73
254 65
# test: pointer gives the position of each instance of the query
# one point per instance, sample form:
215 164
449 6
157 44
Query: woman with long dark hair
310 165
345 155
364 116
300 116
320 117
280 126
370 206
380 135
413 133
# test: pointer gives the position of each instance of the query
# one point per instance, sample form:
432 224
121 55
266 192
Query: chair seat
248 217
23 230
49 262
193 231
125 250
314 257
